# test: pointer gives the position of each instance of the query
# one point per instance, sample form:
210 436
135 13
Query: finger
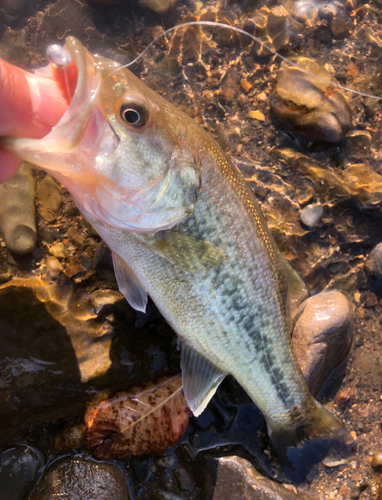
30 105
9 164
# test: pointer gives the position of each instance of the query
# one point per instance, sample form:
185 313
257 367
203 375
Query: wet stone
19 470
237 479
370 299
17 212
312 214
80 478
159 6
373 265
49 197
339 28
376 461
70 438
322 336
59 251
310 105
53 266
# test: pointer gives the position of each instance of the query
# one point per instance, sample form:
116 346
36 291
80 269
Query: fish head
120 149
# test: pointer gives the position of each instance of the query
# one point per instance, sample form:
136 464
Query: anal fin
297 290
200 379
129 284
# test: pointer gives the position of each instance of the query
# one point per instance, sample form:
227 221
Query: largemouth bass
185 228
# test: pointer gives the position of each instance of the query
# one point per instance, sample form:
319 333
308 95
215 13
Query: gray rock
80 478
322 336
312 214
19 470
237 479
17 212
49 197
311 105
373 265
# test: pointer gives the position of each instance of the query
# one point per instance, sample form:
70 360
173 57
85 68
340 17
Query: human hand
30 107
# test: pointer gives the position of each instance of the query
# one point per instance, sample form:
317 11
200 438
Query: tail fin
299 448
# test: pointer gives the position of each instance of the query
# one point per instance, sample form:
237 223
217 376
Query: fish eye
134 114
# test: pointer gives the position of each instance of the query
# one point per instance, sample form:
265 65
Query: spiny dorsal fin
129 284
200 379
190 253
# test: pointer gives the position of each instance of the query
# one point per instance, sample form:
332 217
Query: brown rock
322 336
376 461
49 197
237 479
339 28
370 298
310 105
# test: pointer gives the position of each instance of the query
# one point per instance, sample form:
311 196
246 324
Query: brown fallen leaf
146 420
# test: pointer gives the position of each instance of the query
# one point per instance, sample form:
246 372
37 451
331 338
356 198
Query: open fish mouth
71 128
83 132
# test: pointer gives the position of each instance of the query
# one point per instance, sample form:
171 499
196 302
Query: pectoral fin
129 285
200 379
190 253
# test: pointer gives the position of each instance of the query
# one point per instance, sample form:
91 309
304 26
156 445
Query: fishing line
254 38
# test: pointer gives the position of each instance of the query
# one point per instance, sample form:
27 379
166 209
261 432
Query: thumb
30 107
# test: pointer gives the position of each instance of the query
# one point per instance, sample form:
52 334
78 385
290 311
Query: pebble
256 115
370 299
58 250
17 212
376 461
54 267
262 97
80 478
373 265
322 336
312 214
70 438
19 470
49 197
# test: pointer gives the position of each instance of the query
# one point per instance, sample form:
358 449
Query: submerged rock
158 6
373 265
237 479
19 470
52 345
376 461
311 105
271 27
322 336
312 214
80 478
17 212
49 197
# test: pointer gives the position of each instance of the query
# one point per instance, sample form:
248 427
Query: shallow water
77 341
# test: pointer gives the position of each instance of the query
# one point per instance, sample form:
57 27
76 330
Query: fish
184 228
